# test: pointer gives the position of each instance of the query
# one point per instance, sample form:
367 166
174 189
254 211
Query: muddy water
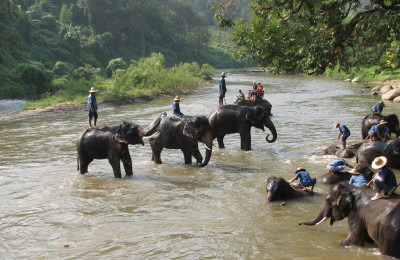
174 211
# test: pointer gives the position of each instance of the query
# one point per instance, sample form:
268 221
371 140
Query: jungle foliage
311 36
48 46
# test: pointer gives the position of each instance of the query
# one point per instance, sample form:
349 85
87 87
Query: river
175 211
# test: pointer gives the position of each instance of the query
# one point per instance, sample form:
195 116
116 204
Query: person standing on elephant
305 179
376 109
379 132
92 106
221 89
357 179
344 133
384 183
336 166
176 108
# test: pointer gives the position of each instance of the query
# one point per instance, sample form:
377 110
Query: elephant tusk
322 220
207 147
155 135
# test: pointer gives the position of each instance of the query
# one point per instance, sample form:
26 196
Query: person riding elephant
279 189
258 102
392 123
110 143
230 119
368 221
330 179
182 133
369 151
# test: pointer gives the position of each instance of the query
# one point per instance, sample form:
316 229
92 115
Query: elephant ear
120 136
250 116
189 130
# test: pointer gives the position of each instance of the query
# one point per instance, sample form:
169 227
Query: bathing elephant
368 122
349 152
368 221
182 133
258 102
369 151
333 178
279 189
232 119
111 143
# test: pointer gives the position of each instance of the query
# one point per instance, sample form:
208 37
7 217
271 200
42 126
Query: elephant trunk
268 123
207 140
153 127
319 219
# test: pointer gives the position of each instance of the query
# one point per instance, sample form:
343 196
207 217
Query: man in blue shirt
385 183
376 109
176 108
92 106
336 166
344 133
305 179
379 131
357 179
221 89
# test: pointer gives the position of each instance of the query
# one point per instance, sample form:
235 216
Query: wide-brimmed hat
92 90
379 162
223 74
382 122
355 171
381 103
177 98
299 169
335 124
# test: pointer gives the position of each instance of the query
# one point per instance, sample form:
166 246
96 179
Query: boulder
396 99
376 89
356 79
392 94
386 89
347 80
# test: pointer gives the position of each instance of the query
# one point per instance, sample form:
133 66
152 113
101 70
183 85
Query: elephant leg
127 162
115 164
220 140
156 154
187 154
245 140
84 162
357 234
196 154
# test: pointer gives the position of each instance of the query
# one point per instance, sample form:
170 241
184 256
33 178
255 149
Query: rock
347 80
397 99
386 89
376 89
374 93
392 94
357 79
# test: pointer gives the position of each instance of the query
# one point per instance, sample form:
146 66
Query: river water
174 211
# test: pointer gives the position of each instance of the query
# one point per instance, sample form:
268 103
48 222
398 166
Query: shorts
378 185
311 183
92 114
335 168
221 96
344 138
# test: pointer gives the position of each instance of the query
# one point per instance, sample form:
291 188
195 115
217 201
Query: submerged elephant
369 151
258 102
182 133
368 122
111 143
368 221
232 119
349 152
279 189
333 178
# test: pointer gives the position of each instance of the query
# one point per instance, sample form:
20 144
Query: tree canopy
310 35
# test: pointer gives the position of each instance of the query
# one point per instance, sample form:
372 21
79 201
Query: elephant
258 102
368 122
279 189
334 178
349 152
368 221
231 119
111 143
182 133
368 151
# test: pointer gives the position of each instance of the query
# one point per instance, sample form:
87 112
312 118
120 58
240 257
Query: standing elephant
279 189
258 102
232 119
368 221
368 122
111 143
369 151
182 133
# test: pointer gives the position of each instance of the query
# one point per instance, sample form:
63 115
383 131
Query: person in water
221 89
305 179
176 108
376 109
357 179
92 106
379 132
336 166
344 133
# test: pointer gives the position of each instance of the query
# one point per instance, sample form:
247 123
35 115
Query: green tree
310 36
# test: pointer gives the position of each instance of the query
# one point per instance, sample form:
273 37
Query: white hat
299 169
355 171
379 162
223 74
382 122
92 90
335 124
177 98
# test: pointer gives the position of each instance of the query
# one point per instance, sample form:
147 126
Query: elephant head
393 123
131 133
338 205
277 189
199 129
259 118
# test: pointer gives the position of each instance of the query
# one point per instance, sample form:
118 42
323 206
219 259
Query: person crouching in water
305 179
176 108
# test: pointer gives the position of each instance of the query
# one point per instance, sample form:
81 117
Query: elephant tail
77 161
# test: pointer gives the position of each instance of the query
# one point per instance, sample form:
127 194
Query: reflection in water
173 210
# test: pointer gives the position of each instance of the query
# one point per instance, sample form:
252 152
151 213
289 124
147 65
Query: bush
36 79
63 68
115 64
87 72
